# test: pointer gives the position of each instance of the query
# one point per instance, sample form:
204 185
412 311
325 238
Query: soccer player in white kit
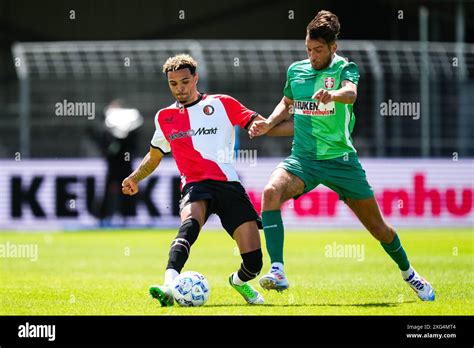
197 129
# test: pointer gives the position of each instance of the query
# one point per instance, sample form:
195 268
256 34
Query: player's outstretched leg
417 283
179 253
275 279
368 212
248 238
281 187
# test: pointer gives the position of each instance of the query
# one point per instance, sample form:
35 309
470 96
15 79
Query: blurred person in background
117 141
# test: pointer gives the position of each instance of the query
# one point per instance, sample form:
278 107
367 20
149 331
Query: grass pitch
109 272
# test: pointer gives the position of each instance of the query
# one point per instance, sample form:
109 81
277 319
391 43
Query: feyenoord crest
329 82
208 110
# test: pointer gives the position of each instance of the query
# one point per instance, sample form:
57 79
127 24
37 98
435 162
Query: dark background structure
49 21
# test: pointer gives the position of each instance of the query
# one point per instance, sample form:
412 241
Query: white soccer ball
190 289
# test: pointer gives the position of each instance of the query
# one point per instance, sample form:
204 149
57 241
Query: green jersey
321 131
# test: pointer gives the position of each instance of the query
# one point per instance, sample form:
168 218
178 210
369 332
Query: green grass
109 272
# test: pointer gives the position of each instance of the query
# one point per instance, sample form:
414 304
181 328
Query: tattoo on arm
146 168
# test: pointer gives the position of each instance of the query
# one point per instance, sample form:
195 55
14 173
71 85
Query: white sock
170 275
278 265
406 274
236 280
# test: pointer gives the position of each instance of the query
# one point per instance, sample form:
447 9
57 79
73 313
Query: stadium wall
61 194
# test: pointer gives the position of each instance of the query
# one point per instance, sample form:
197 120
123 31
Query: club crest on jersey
329 82
208 110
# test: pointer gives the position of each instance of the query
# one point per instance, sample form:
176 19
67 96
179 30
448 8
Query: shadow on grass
368 305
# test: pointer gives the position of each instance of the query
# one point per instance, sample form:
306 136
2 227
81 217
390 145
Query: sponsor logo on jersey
329 82
192 133
311 108
204 131
208 110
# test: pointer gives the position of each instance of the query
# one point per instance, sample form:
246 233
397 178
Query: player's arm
146 167
239 115
277 119
159 146
347 94
282 129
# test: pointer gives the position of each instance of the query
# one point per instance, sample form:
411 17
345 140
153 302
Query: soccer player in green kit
320 91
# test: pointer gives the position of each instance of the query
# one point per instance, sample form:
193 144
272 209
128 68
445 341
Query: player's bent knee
271 194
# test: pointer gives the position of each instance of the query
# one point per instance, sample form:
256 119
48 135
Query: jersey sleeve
351 73
159 140
238 114
287 92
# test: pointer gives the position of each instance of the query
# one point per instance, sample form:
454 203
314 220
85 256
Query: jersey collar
333 61
179 105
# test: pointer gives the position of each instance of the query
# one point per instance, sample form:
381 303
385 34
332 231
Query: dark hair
324 26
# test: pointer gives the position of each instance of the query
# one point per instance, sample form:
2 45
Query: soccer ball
190 289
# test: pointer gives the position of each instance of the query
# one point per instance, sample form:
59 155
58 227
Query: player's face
319 52
183 85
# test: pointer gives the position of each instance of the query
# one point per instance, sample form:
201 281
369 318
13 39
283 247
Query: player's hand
129 186
323 96
259 127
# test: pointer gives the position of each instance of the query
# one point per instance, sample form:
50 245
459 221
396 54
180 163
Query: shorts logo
208 110
329 82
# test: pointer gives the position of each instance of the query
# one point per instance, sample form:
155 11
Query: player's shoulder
299 65
299 68
165 110
344 62
219 96
224 98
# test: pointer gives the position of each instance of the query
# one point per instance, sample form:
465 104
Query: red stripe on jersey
238 114
175 125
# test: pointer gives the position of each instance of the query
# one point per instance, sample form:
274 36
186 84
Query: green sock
397 253
274 234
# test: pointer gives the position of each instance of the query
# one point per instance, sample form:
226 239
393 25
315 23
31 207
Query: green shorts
344 175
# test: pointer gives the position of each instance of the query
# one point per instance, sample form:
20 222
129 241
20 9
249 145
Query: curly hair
180 61
324 26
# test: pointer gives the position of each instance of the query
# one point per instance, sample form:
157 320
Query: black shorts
226 199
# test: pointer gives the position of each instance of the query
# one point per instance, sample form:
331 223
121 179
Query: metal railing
253 71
